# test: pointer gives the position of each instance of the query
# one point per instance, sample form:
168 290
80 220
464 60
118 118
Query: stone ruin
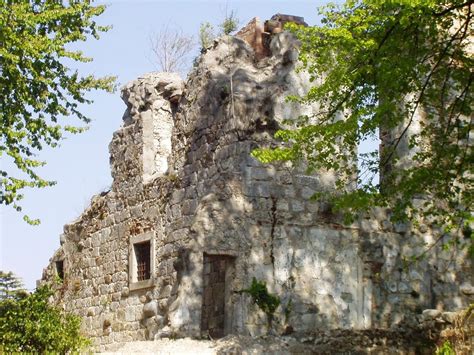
191 217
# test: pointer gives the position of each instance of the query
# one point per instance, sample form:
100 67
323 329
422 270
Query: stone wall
185 181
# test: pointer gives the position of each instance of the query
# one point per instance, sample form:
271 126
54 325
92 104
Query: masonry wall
195 191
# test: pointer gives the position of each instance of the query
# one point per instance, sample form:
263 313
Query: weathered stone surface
185 183
449 317
165 332
252 33
467 289
430 314
150 309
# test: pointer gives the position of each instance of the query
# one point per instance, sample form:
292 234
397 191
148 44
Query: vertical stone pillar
140 148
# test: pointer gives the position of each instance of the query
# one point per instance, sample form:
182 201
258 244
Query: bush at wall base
32 324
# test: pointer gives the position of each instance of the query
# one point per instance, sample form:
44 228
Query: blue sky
81 165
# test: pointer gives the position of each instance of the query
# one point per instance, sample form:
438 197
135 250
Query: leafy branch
39 93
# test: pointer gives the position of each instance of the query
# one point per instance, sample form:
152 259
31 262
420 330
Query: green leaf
38 90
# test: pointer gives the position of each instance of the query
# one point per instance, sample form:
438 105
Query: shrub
230 23
32 324
455 339
206 35
267 302
445 349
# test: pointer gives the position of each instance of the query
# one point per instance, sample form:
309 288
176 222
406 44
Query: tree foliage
227 26
230 23
400 66
11 286
40 96
206 34
31 324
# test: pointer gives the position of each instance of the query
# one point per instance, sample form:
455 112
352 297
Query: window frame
134 284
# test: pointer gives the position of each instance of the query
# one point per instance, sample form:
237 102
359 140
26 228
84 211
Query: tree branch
420 97
454 7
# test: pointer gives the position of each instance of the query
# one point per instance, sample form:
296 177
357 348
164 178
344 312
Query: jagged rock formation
191 218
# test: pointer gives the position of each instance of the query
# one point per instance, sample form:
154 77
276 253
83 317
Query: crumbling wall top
144 91
283 19
259 35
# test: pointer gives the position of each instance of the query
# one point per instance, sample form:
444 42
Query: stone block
289 192
189 207
307 193
467 289
136 212
108 279
165 291
309 321
266 173
114 306
449 317
403 287
430 314
261 190
150 309
401 227
297 206
130 314
311 182
165 332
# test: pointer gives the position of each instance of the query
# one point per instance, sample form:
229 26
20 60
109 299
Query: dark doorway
215 294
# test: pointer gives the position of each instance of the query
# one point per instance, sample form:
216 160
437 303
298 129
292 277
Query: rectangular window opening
142 255
60 269
141 261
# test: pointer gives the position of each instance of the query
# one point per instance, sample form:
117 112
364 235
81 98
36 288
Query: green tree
11 286
32 325
40 96
381 67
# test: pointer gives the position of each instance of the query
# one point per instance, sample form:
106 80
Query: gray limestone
185 183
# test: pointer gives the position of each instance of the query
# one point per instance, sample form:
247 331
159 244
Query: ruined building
192 218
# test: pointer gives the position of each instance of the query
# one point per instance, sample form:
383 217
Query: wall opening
216 316
60 269
142 255
141 261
